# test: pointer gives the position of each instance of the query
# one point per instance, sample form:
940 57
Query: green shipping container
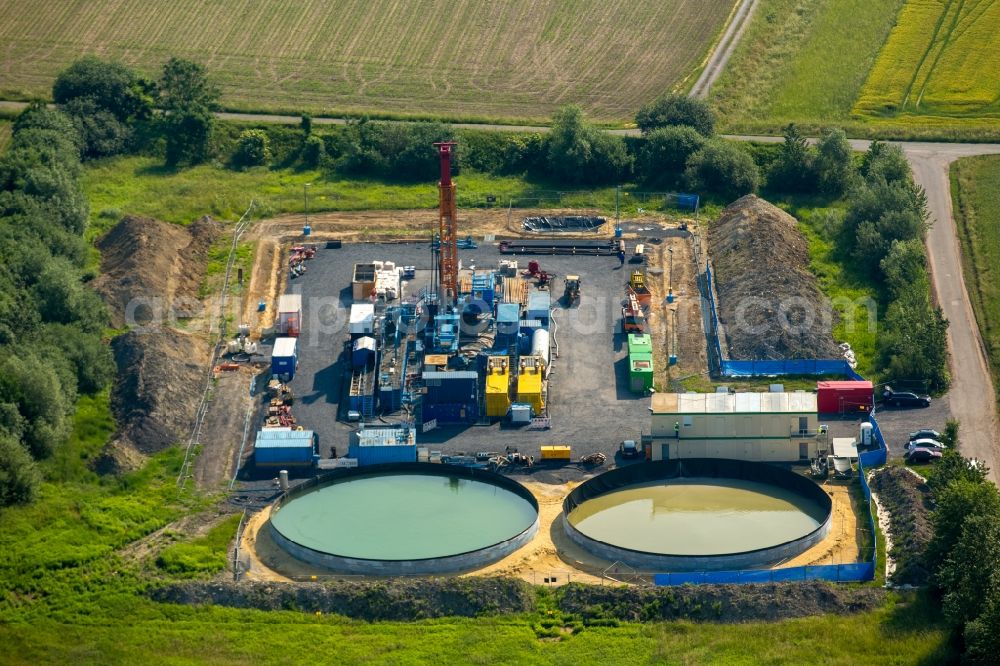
640 372
639 344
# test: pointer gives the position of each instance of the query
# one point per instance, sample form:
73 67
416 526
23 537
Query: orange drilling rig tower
447 227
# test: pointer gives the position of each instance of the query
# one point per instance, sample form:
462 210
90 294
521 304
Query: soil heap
161 263
769 303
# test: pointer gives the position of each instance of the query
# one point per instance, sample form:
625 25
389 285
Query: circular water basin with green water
403 516
697 516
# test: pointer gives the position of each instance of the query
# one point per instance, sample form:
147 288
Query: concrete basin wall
713 468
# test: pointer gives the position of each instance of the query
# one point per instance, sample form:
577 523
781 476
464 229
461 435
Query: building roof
845 384
282 438
284 347
733 403
395 436
290 303
362 312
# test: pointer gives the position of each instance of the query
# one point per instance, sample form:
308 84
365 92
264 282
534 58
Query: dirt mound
769 302
157 390
716 603
399 599
907 500
161 263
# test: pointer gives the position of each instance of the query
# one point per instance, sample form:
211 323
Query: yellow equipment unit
529 383
556 453
497 386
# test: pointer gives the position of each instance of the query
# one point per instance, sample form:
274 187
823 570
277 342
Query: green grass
93 425
902 633
467 59
205 555
854 297
140 186
975 191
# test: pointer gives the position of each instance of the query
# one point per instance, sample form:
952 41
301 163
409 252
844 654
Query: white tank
867 435
540 344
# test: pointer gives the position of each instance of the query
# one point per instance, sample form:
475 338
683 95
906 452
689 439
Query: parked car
925 434
629 448
905 398
922 455
925 444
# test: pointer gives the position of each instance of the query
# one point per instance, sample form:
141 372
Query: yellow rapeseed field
942 58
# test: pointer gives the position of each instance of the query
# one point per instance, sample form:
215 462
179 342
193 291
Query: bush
19 477
722 168
188 135
676 110
913 344
905 266
834 163
580 153
793 171
253 148
313 152
665 152
108 84
101 133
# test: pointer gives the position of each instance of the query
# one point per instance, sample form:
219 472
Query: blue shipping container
451 413
375 455
451 387
284 357
276 447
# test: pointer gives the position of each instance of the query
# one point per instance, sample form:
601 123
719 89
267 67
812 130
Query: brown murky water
697 517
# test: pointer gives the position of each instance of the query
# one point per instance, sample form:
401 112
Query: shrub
19 477
578 152
665 151
253 148
313 152
674 109
722 168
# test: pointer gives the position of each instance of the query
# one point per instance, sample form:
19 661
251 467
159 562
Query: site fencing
725 367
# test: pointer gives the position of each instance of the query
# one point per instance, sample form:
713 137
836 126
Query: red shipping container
844 397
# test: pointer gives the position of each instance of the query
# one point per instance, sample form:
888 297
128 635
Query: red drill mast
447 223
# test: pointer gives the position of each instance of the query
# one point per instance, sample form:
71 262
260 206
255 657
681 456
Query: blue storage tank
285 447
373 446
284 357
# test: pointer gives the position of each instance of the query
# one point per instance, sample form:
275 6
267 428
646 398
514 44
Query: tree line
963 555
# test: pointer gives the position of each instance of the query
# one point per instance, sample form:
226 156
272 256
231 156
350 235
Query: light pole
306 229
670 277
618 223
673 337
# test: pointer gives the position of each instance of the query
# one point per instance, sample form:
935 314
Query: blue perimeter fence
767 368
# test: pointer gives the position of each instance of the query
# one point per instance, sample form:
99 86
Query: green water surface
697 517
403 517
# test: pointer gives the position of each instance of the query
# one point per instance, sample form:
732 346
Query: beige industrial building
766 427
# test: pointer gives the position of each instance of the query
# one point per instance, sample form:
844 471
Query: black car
922 455
926 433
905 399
629 449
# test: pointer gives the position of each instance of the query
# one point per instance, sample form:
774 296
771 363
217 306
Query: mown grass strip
975 191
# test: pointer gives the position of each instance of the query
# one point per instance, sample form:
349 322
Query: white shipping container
362 318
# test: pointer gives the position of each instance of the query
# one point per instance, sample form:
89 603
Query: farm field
975 185
469 59
942 58
850 63
803 61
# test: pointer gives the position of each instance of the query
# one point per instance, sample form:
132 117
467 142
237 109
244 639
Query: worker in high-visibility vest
677 429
